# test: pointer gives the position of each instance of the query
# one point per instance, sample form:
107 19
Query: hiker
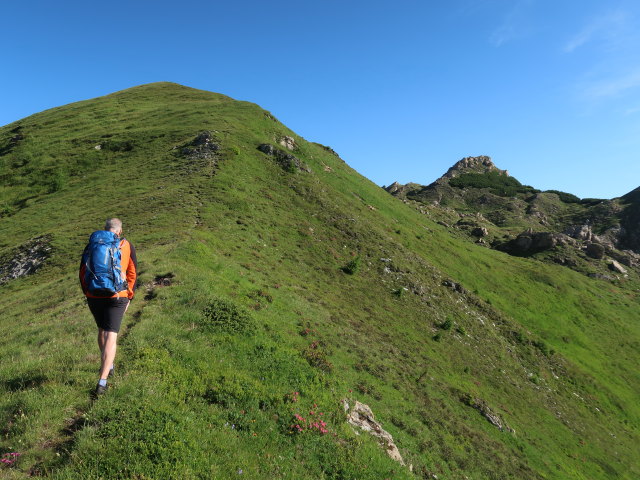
108 273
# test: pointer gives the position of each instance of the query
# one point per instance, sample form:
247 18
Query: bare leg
101 339
108 353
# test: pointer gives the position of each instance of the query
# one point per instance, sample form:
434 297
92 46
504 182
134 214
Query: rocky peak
399 190
481 164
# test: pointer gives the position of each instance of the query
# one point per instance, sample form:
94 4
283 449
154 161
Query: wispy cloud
614 86
609 27
632 110
513 25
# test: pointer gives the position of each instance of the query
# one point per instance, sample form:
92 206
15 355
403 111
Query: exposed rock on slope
203 146
285 160
361 416
492 208
25 260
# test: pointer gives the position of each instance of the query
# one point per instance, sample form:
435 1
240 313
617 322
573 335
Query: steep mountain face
630 221
592 236
285 306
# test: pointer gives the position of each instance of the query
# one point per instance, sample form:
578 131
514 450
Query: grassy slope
194 401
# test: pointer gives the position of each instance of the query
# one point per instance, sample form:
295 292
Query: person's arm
132 273
81 272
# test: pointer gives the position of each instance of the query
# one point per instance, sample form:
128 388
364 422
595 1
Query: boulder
480 232
595 250
616 267
580 232
361 416
544 241
529 242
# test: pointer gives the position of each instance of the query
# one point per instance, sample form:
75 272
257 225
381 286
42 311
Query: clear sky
400 89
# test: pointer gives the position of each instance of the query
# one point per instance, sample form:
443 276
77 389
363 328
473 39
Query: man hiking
108 273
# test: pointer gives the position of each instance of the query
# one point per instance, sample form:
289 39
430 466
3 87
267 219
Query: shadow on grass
24 382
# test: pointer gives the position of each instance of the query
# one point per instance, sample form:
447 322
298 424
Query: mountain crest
480 164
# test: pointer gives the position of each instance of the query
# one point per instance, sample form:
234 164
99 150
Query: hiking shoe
111 372
100 390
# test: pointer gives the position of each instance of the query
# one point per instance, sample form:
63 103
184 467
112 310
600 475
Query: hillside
478 201
276 283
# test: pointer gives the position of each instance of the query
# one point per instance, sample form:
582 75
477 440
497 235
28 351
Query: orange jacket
129 264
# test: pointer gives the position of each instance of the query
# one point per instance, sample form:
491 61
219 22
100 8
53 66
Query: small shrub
399 292
543 347
437 337
352 267
317 357
366 388
519 337
223 315
461 330
446 325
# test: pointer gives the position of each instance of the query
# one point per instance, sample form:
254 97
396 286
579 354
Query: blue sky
402 90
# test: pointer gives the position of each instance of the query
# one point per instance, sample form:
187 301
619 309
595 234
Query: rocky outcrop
492 417
203 146
481 164
288 142
581 232
529 242
361 416
284 159
25 260
398 190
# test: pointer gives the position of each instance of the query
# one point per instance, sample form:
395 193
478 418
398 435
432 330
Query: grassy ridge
195 399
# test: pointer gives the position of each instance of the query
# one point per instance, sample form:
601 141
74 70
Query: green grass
261 307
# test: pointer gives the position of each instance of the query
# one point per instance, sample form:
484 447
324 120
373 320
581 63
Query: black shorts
108 312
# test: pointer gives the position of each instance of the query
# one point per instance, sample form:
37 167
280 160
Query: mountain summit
592 236
293 319
481 164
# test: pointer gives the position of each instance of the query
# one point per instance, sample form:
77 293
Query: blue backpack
103 264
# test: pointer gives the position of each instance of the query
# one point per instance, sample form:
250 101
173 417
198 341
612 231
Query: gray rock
523 243
454 286
480 232
601 276
286 160
595 250
616 267
26 259
484 409
361 416
580 232
202 147
288 143
531 242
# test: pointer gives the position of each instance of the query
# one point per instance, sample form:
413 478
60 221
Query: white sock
102 382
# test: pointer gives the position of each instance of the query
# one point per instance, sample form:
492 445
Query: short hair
113 224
